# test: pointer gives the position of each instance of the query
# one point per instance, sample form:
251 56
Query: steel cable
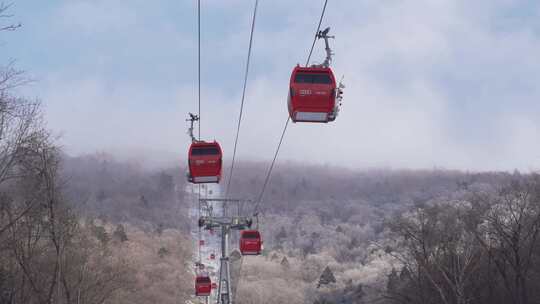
199 60
267 178
243 98
316 32
260 197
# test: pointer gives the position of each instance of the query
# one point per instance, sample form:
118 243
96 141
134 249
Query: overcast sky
445 83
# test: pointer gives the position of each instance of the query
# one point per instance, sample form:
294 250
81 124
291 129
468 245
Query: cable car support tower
227 222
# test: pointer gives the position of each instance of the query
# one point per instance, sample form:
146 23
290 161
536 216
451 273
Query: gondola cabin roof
203 148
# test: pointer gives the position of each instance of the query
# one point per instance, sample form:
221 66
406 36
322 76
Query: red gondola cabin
205 162
312 95
250 242
203 286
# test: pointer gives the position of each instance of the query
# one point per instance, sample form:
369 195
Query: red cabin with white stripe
250 242
312 95
205 162
203 286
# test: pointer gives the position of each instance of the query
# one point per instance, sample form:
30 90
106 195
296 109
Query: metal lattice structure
224 213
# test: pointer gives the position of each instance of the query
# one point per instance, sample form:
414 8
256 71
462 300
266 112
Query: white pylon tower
227 222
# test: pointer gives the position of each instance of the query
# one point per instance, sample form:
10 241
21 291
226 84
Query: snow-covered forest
375 236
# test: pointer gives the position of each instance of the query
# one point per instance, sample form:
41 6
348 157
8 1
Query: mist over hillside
365 226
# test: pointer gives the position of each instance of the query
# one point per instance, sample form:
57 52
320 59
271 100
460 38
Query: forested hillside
330 236
365 236
395 236
67 237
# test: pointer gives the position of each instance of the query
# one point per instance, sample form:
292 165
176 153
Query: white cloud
429 83
96 16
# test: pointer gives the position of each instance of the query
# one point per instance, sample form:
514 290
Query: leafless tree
3 14
509 233
436 247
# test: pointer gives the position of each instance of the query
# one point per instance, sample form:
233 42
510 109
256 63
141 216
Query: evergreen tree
285 263
405 274
159 229
101 234
162 252
120 233
391 285
358 293
327 277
